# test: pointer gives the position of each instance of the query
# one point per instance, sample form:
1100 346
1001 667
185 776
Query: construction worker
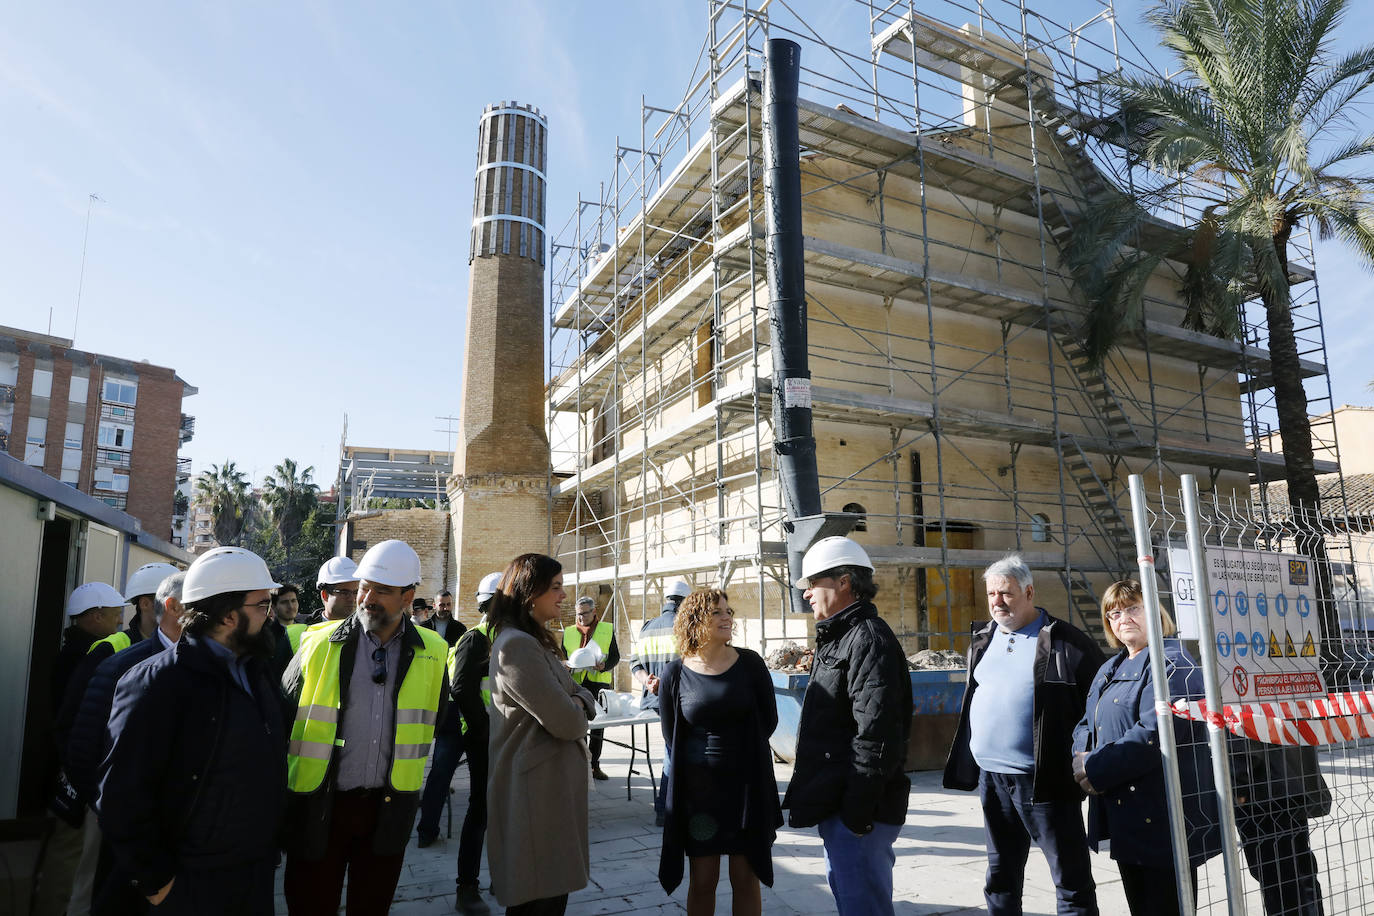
140 591
193 787
366 693
95 611
653 651
588 630
470 688
286 632
337 584
87 741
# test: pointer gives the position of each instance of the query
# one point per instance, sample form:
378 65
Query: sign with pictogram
1262 603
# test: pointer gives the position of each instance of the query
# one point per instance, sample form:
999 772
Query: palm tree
1257 125
290 494
224 488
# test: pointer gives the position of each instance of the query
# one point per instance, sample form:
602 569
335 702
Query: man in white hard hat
367 693
590 632
140 591
94 611
852 736
1028 681
193 787
87 745
654 650
470 691
338 587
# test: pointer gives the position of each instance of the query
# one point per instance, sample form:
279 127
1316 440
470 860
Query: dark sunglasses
379 665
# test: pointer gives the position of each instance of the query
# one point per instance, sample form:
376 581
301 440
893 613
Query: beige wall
21 539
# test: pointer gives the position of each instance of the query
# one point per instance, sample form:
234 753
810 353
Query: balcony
188 428
183 469
6 394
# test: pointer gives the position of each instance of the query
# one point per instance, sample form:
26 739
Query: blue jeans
1012 822
859 868
448 748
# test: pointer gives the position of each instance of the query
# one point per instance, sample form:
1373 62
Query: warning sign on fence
1261 604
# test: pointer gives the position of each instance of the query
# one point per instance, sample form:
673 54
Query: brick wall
425 530
23 391
153 460
57 414
495 519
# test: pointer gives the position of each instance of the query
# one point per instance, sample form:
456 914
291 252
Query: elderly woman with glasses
1118 763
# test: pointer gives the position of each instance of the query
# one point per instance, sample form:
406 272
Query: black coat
1066 661
763 816
87 741
196 774
76 642
471 659
456 628
855 723
72 697
308 816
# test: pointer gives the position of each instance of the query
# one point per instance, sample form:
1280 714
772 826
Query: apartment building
108 426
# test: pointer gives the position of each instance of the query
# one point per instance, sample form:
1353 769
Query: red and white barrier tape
1337 717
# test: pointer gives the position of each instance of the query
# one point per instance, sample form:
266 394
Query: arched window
860 511
1040 528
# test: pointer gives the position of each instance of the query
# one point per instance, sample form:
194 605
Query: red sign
1241 681
1289 684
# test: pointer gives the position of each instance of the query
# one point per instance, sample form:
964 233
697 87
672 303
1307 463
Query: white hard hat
678 589
390 563
585 657
146 579
489 585
93 594
827 553
225 569
336 571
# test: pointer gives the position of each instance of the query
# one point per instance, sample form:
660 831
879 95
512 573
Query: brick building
107 426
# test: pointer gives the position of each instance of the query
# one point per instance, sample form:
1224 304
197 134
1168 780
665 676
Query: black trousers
314 886
475 821
1012 822
545 906
1152 890
597 739
1278 854
239 890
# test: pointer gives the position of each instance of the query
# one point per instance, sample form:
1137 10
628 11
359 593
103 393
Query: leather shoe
469 900
425 841
598 773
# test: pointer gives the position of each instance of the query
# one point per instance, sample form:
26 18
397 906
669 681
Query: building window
71 459
1040 528
34 448
121 391
113 435
861 512
71 476
42 383
119 502
81 385
119 482
75 433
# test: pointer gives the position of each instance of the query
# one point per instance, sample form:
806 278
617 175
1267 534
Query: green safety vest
119 642
485 629
293 635
572 640
314 734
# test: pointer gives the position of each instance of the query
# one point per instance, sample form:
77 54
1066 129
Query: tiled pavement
940 859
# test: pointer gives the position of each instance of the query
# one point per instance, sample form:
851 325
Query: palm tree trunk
1290 402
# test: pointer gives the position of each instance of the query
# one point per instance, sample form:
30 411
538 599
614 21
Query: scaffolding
956 411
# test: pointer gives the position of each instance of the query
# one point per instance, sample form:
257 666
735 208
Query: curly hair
694 619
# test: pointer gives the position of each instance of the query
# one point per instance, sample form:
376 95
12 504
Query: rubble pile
935 660
791 657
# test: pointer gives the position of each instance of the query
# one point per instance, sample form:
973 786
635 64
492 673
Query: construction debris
791 657
935 660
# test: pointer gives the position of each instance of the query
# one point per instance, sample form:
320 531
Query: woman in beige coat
537 789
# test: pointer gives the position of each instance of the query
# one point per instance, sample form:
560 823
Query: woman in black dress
718 712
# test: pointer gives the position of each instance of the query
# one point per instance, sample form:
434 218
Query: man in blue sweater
1028 678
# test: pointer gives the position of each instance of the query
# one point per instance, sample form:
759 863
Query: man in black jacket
1028 679
194 785
852 737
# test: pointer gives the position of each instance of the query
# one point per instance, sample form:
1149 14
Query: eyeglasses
1117 613
379 665
340 590
263 606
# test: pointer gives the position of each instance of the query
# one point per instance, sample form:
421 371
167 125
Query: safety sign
1261 604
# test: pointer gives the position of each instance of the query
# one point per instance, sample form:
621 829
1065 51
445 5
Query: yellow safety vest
572 640
485 629
293 635
314 734
118 641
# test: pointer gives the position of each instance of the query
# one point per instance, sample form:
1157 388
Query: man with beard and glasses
367 693
193 787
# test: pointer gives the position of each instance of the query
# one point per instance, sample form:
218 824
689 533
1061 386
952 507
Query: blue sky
287 188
